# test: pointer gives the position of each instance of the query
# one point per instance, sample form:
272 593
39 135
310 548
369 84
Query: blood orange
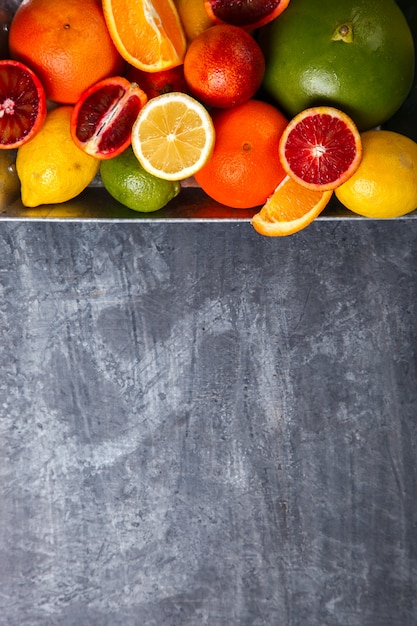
224 66
102 120
320 148
247 14
22 104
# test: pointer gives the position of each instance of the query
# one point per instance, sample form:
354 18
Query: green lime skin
126 180
355 55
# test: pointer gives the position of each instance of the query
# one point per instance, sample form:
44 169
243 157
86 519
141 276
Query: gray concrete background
200 426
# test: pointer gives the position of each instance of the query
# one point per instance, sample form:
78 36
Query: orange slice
291 208
147 33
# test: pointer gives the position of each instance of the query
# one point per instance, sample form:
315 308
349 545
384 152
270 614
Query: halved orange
291 208
321 148
102 119
22 104
247 14
147 33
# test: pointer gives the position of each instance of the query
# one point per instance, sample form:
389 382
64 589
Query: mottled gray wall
203 427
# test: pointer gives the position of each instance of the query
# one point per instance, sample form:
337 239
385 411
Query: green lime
131 185
355 55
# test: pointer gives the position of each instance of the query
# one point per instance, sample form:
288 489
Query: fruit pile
270 105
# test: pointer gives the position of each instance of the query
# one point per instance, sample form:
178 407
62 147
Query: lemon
127 181
193 17
385 183
173 136
9 180
51 168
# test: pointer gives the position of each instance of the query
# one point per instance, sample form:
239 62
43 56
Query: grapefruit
354 55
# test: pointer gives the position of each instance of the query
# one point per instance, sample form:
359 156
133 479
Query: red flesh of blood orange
22 104
247 14
102 120
321 148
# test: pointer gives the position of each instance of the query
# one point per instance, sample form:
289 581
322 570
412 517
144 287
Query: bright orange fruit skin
224 66
244 169
66 43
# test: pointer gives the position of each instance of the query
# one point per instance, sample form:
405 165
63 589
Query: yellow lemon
194 17
9 180
51 168
385 183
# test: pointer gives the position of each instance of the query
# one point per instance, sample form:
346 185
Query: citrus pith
355 55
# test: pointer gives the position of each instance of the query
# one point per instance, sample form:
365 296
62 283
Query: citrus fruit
245 167
156 83
102 119
9 180
22 104
224 66
385 183
193 17
131 185
248 14
320 148
66 43
290 208
173 136
147 33
355 55
51 168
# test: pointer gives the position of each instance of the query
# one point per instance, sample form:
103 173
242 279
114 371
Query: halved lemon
173 136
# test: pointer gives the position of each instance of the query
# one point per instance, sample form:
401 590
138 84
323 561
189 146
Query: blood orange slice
321 148
102 119
247 14
22 104
291 208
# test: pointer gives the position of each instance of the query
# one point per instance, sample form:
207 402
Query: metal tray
191 205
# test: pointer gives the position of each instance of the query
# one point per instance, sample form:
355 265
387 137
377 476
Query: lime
354 55
51 168
131 185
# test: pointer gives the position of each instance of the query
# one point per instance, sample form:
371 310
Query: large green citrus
355 55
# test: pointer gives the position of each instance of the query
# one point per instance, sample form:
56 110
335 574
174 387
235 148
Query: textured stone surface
200 426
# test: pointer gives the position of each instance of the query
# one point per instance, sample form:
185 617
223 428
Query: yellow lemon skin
385 183
9 180
51 168
193 17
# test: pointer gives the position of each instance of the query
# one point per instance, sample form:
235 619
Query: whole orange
224 66
66 43
244 168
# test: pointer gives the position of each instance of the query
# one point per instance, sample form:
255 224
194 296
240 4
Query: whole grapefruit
355 55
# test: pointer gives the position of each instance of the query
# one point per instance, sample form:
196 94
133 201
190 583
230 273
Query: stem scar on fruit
343 32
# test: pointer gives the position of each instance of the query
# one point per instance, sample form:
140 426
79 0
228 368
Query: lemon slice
173 136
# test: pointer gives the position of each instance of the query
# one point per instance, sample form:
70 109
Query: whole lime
355 55
131 185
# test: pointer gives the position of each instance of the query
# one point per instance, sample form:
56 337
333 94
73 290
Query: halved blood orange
22 104
102 119
321 148
147 33
247 14
290 208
